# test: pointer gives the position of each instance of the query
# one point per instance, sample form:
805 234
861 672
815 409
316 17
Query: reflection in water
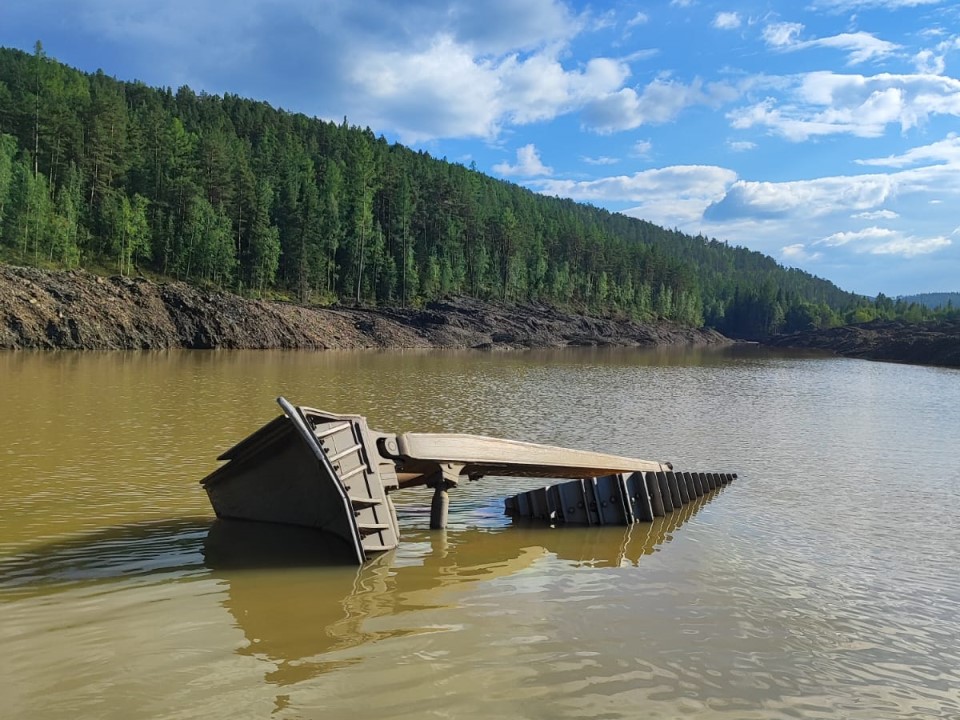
171 548
293 619
823 585
610 546
295 592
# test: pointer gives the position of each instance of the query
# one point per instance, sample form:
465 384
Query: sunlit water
823 583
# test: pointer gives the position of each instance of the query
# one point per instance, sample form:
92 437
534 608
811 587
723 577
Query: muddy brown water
824 582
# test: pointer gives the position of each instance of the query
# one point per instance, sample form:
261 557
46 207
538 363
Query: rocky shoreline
932 343
77 310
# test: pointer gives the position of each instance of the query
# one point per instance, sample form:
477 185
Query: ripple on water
821 584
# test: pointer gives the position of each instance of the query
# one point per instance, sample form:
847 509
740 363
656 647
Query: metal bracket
447 476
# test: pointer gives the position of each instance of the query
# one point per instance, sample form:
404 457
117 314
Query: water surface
822 583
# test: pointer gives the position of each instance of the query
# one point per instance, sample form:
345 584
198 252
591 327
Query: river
822 583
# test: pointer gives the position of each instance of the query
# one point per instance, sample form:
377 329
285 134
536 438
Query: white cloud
444 91
539 88
798 253
869 236
420 69
860 46
826 103
727 20
884 241
495 27
806 198
641 148
782 34
528 164
642 54
944 151
687 180
694 195
681 3
910 247
714 201
397 87
670 196
741 145
876 215
602 160
659 102
641 18
928 63
851 5
833 198
603 21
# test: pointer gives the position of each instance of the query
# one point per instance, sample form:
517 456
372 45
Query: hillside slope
233 193
927 343
77 310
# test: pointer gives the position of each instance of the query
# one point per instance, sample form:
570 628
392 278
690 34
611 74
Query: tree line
234 194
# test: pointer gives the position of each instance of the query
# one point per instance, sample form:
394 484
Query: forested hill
935 300
234 193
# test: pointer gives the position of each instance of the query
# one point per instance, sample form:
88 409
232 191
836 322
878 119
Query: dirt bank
933 343
77 310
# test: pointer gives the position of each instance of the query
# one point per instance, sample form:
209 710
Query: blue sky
825 133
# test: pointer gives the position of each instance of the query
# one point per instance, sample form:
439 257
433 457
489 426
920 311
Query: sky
825 133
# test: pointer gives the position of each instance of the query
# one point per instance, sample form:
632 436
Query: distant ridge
934 300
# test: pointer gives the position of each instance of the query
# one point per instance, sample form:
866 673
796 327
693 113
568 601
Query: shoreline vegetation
78 310
230 193
214 195
75 309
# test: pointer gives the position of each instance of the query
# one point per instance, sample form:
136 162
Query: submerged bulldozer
334 473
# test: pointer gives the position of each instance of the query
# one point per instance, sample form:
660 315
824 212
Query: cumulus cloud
727 20
660 101
421 70
928 63
399 85
687 180
808 198
840 201
444 91
827 103
528 164
781 217
670 196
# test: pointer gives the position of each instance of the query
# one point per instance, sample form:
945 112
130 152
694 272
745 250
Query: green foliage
934 301
234 193
8 150
263 241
